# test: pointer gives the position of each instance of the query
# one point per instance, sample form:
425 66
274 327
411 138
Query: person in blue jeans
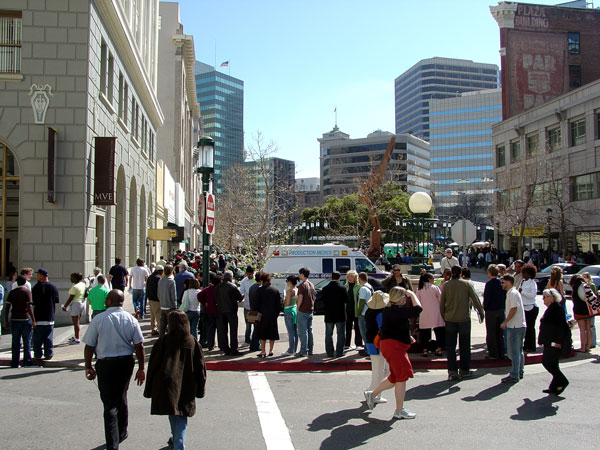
306 302
290 314
44 297
21 323
190 304
515 326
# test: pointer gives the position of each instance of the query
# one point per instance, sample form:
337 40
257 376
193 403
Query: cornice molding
504 14
186 41
120 33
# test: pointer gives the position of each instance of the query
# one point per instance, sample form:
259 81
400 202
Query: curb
307 365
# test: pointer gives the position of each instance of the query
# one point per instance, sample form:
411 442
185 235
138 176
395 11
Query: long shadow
352 436
100 447
27 372
489 393
329 421
537 409
433 390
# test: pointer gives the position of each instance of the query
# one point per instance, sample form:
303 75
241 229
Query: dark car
543 276
319 308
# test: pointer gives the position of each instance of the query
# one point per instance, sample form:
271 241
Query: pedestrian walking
227 297
152 296
180 278
364 294
76 304
430 295
245 285
306 303
352 288
44 297
268 304
555 336
494 299
334 298
191 306
113 336
97 296
118 275
380 369
515 326
528 292
27 273
395 342
167 297
253 298
22 321
290 314
137 283
206 297
455 306
176 361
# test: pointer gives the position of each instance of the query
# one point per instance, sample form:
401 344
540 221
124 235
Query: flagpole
215 54
335 111
229 67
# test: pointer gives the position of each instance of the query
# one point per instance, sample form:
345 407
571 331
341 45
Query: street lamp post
420 204
206 144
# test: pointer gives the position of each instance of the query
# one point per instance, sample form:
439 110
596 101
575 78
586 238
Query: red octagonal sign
210 213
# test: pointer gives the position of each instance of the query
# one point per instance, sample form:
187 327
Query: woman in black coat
176 376
268 304
555 336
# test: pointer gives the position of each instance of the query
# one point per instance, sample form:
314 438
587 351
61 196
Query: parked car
543 276
594 272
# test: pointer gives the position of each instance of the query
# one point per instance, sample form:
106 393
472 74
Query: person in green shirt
97 297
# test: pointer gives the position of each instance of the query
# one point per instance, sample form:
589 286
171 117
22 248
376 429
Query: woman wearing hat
394 344
374 317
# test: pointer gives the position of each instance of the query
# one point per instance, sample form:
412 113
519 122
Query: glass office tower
436 78
221 99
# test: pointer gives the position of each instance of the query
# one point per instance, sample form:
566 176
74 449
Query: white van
322 260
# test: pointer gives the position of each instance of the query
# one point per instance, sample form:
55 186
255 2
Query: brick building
546 51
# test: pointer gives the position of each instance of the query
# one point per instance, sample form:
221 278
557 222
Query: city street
58 408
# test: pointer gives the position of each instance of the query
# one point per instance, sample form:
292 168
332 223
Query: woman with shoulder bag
555 336
374 317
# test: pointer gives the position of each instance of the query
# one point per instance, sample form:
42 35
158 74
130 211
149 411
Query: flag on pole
335 110
225 64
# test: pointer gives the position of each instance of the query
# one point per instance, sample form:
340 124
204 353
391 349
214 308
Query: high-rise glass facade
462 154
436 78
221 99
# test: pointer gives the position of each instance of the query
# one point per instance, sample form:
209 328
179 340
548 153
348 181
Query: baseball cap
43 272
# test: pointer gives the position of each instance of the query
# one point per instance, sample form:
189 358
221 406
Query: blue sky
301 59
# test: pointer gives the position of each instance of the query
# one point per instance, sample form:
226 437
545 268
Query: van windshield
364 265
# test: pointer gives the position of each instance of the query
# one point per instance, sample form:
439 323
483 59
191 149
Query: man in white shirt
97 273
514 324
449 261
364 294
245 290
26 272
137 284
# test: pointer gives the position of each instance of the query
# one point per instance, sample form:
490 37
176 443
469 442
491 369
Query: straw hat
378 300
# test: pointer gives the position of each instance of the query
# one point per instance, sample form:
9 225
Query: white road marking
274 430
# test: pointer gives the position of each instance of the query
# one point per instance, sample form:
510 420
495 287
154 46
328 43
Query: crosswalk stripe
274 430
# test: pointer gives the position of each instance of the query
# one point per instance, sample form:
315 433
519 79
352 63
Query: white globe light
419 203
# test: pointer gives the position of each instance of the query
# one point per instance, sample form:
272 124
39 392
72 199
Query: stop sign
464 232
210 213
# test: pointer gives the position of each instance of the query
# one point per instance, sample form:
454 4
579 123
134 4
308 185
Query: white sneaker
370 399
287 354
380 400
404 414
74 341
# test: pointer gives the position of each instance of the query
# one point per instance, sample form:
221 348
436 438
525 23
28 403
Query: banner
104 171
52 134
537 231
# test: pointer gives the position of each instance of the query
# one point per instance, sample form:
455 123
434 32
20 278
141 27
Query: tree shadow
537 409
489 393
433 390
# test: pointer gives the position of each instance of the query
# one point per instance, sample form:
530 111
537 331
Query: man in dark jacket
334 298
227 297
494 299
152 296
45 297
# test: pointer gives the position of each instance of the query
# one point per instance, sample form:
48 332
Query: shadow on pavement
433 390
489 393
100 447
26 372
329 421
537 409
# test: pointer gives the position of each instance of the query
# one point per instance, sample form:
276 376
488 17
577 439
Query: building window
10 42
573 43
110 77
577 132
121 105
574 76
500 156
125 101
585 187
515 151
103 66
554 139
533 145
597 124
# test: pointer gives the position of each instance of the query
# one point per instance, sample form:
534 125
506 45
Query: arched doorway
133 225
120 212
143 224
9 210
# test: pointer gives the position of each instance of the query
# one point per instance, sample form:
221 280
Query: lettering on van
311 253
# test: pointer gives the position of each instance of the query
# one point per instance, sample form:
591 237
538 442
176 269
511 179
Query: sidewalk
67 355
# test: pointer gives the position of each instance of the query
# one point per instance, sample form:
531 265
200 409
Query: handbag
253 316
377 340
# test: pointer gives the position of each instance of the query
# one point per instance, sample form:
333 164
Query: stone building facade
92 65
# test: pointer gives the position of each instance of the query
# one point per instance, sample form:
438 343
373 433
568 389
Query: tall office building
436 78
346 163
221 99
462 153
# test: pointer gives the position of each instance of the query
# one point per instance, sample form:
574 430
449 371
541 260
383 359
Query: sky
302 59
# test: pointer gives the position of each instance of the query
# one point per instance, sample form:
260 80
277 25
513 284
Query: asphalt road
59 409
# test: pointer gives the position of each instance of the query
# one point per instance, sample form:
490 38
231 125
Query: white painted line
274 430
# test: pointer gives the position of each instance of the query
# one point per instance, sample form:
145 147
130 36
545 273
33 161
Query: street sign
210 213
160 234
464 232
